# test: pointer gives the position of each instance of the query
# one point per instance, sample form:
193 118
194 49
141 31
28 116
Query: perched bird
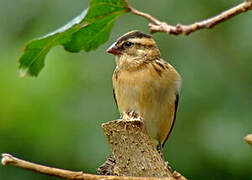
144 85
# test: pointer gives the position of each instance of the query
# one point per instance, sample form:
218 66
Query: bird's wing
174 117
114 95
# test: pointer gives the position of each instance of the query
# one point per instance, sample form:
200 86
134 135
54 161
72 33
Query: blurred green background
56 119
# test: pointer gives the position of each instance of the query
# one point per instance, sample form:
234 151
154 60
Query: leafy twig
85 32
157 26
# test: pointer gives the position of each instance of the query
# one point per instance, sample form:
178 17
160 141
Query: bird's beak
113 49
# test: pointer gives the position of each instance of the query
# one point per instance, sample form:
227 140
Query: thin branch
145 15
157 26
248 139
8 159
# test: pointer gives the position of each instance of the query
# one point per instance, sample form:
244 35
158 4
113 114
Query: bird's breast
148 94
142 89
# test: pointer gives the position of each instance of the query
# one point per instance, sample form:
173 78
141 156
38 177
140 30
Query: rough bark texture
133 150
107 168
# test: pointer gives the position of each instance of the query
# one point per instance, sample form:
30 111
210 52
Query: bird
145 85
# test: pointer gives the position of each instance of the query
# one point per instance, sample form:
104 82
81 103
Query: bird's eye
128 43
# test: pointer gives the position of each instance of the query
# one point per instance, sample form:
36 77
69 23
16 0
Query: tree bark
133 150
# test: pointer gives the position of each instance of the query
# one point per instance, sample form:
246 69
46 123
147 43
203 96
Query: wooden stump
133 150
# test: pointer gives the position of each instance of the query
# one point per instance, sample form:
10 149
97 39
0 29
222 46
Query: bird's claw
130 116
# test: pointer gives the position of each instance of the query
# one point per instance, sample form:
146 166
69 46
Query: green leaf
85 32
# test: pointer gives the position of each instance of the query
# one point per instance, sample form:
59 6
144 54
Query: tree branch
248 139
8 159
133 151
157 26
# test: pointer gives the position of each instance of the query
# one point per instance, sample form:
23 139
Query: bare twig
157 26
8 159
248 139
145 15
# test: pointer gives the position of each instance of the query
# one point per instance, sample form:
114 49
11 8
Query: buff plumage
145 84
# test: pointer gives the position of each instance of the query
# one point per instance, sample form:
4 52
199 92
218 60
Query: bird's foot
160 152
168 166
125 117
131 116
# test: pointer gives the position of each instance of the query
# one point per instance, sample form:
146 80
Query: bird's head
134 48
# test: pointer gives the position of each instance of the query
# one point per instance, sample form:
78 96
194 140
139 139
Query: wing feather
174 117
114 95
